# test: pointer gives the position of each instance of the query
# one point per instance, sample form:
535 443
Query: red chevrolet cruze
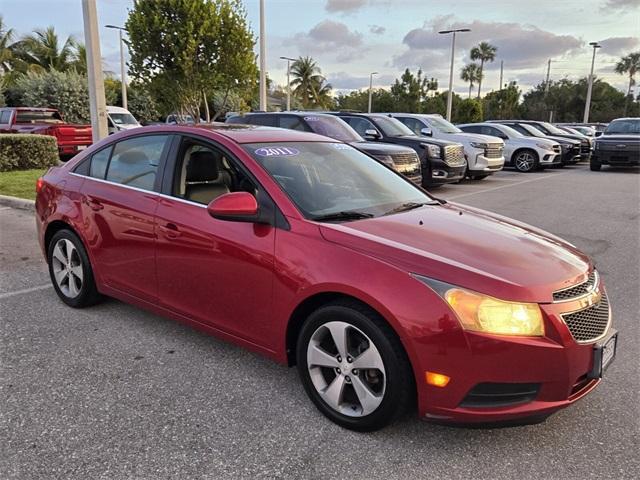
308 251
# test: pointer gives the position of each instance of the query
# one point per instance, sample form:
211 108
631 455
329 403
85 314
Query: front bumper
549 158
617 157
556 368
483 164
436 172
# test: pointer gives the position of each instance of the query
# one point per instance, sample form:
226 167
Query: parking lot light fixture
123 78
371 89
289 60
453 47
587 104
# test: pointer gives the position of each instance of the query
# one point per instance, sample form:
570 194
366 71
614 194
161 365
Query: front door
214 271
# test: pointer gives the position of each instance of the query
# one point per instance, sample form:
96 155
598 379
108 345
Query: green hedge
25 151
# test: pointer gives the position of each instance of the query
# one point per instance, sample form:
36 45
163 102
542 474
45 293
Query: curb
19 203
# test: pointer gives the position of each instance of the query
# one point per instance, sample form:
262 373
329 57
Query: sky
352 38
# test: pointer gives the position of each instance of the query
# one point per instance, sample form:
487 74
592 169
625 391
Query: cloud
618 45
620 5
344 6
333 37
520 46
377 29
346 81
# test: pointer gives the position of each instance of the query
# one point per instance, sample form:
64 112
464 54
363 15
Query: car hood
626 138
127 126
466 137
564 140
468 247
375 148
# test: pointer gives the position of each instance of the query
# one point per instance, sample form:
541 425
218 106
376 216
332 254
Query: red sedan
310 252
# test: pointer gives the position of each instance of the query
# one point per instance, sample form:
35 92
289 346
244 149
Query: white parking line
507 186
24 290
5 208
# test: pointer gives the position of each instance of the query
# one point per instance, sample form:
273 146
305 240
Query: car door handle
93 204
170 230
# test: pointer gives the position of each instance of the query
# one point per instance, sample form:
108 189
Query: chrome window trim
596 285
142 190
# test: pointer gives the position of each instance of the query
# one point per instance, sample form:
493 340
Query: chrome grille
405 158
454 155
591 323
577 291
493 151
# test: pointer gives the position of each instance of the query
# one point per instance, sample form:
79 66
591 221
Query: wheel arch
522 149
53 228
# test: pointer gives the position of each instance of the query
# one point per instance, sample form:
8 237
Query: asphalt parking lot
115 392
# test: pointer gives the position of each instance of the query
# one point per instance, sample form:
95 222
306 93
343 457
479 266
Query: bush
24 151
66 91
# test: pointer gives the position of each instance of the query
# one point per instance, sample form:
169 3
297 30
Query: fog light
436 379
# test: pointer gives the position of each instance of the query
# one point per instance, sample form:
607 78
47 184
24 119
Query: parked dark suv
442 161
619 145
402 159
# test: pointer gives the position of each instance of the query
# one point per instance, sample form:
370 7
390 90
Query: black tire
480 176
531 165
88 293
399 390
594 165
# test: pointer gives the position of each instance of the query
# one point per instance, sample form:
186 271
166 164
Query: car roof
114 109
37 109
241 133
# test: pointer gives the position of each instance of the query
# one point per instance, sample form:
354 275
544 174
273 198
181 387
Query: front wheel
594 165
353 367
526 161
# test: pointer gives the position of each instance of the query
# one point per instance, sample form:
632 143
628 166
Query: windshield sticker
340 146
312 119
277 152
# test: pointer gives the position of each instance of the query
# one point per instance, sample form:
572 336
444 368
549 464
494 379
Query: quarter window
135 161
99 163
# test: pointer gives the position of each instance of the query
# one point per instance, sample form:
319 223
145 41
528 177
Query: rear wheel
526 161
353 367
70 270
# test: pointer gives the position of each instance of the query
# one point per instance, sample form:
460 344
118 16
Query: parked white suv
525 154
484 154
119 118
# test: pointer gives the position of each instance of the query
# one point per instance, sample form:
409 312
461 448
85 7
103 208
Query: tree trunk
207 117
480 79
470 87
626 100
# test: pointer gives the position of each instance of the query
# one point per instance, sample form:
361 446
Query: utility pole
453 48
501 72
288 81
97 103
123 78
263 62
546 88
371 89
587 104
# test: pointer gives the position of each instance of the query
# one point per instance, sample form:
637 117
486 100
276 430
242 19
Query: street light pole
289 60
263 62
587 104
371 89
453 47
97 103
123 78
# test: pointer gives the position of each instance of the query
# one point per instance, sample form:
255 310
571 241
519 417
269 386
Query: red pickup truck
46 121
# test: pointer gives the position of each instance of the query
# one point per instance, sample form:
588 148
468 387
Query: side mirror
426 132
371 133
235 207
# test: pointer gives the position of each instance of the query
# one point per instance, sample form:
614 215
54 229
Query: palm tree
42 51
485 52
6 46
471 73
628 65
309 84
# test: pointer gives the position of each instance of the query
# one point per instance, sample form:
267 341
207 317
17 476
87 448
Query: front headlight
386 159
479 145
434 151
544 146
481 313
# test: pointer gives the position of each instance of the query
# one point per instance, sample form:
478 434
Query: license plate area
603 355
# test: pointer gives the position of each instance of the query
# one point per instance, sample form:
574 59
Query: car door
217 272
118 201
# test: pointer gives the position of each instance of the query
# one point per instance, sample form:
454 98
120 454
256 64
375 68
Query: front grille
585 147
577 290
493 151
405 158
591 323
454 155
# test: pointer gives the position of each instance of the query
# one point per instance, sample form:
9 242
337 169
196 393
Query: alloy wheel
67 268
346 369
525 162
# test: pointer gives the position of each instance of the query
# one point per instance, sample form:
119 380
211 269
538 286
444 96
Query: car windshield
631 125
35 116
552 129
442 125
333 127
334 181
123 119
533 131
392 127
512 132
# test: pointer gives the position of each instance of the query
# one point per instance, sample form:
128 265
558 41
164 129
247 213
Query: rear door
119 200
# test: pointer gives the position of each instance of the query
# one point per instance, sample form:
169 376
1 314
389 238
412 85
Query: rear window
34 116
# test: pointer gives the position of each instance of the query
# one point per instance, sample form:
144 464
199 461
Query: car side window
360 125
414 125
5 116
204 172
292 122
98 163
135 161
